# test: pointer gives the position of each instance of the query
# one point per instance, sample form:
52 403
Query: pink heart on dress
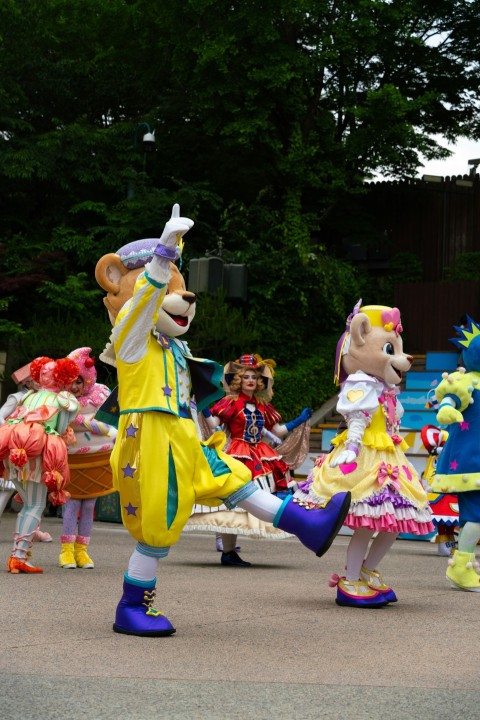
347 468
407 472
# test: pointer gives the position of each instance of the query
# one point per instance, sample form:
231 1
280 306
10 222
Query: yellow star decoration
469 336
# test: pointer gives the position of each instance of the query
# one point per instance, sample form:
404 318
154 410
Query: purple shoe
356 594
135 614
315 527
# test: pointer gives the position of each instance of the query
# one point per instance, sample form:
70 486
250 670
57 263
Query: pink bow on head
391 320
388 473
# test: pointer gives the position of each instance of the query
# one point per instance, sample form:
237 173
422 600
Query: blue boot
315 527
135 615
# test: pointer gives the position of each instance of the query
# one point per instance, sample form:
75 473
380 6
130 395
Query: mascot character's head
372 343
117 272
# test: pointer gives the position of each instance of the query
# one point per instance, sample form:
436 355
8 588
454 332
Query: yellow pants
161 470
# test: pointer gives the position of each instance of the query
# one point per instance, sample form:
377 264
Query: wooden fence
430 310
438 221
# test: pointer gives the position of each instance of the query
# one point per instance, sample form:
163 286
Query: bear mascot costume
159 465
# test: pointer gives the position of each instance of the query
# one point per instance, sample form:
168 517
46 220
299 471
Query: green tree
268 117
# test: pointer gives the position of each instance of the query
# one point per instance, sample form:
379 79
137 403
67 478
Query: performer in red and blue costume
245 414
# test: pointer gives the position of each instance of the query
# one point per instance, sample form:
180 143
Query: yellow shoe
375 581
82 558
462 573
66 558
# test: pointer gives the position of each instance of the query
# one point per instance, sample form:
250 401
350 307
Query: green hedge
308 383
56 337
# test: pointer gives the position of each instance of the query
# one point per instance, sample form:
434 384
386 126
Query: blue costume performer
159 465
458 468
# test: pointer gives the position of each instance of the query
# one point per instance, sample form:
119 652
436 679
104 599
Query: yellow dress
387 494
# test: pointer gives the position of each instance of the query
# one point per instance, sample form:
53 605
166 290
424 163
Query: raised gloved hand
305 415
174 229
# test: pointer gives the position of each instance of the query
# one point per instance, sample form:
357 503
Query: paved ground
259 643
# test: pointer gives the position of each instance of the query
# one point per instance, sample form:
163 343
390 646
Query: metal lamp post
148 145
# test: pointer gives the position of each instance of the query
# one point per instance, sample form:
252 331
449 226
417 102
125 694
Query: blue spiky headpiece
468 341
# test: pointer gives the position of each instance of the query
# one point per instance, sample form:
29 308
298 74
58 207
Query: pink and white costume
33 451
91 436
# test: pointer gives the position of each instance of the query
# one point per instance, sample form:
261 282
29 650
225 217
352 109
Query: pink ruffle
389 523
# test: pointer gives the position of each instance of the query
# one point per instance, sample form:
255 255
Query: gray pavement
264 642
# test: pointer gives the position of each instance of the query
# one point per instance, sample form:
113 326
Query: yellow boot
461 572
82 558
66 558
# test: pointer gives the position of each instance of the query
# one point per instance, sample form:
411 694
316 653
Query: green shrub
308 383
465 267
56 337
220 330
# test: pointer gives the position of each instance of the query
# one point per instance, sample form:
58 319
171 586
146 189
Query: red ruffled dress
245 419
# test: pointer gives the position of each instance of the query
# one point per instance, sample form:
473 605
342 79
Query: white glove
356 430
345 458
166 251
175 228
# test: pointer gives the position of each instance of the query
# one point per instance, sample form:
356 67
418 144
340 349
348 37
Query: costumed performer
91 436
368 457
444 507
245 413
34 452
159 465
458 467
25 383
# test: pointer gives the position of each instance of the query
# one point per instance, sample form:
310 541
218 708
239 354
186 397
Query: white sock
379 548
262 505
356 551
142 567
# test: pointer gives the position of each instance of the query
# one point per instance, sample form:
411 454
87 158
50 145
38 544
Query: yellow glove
448 415
458 385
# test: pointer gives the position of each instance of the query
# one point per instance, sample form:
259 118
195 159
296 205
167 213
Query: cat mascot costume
368 457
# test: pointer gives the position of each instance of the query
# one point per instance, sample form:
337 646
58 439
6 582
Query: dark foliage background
269 118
